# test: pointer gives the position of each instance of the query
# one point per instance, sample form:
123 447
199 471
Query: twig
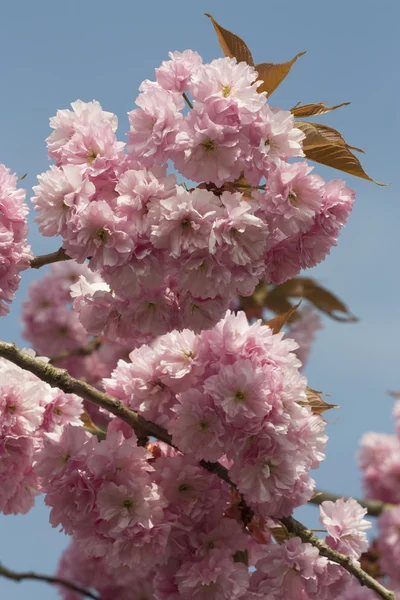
48 579
307 536
47 259
190 105
61 379
374 507
91 347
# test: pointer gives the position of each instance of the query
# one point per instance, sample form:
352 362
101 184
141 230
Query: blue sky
55 52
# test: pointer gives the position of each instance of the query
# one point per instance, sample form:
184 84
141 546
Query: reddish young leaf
316 403
272 75
312 110
327 146
279 321
324 300
232 45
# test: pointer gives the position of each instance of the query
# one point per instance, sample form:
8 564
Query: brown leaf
277 303
90 426
86 420
273 75
241 556
316 403
395 395
327 146
278 322
312 110
280 533
232 45
325 301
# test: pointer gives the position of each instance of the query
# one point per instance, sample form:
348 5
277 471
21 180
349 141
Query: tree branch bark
9 574
61 379
47 259
307 536
374 507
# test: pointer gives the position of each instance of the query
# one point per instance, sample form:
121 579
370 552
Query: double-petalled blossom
175 258
15 253
243 404
165 260
28 408
345 526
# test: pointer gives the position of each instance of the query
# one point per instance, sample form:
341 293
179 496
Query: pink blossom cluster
388 544
379 459
53 327
174 257
231 391
93 572
159 516
303 331
346 527
29 409
159 524
15 253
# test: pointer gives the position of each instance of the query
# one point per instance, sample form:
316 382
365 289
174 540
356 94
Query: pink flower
389 543
203 277
338 203
241 237
241 390
18 485
292 197
345 526
297 570
139 385
183 223
96 232
93 148
67 122
137 189
175 75
206 149
178 358
274 136
217 577
58 452
126 507
60 410
61 191
154 126
199 314
118 459
21 410
303 331
379 459
224 78
15 253
198 428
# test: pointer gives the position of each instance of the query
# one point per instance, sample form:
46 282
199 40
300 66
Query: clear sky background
53 53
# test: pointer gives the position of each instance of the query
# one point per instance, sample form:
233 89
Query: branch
307 536
47 259
61 379
48 579
374 507
91 347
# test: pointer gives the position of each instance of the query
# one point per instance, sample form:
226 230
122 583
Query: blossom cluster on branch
167 254
15 253
379 459
170 257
